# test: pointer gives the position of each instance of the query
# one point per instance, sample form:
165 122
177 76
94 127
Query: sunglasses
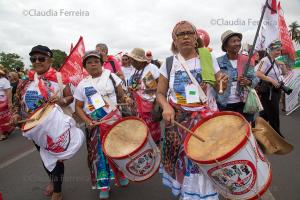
33 59
186 33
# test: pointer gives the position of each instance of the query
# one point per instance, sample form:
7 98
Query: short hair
102 46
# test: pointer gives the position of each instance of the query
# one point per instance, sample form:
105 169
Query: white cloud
124 24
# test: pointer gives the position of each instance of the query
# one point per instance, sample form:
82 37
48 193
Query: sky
125 24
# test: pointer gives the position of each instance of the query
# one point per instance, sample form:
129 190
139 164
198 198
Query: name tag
97 101
192 94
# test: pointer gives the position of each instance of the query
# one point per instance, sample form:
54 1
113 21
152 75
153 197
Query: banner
287 44
292 80
72 67
269 29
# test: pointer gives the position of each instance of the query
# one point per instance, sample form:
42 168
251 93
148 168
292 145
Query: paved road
23 178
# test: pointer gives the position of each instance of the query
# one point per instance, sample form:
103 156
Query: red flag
72 67
287 44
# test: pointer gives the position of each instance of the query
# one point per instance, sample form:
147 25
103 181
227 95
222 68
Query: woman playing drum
143 85
43 88
96 99
184 105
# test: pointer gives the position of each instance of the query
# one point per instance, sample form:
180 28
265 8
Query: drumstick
221 87
102 121
188 130
20 122
123 104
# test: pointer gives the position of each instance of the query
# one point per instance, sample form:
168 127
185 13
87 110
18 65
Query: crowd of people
140 84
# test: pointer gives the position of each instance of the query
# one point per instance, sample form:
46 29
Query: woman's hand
245 81
90 124
222 80
275 83
168 113
57 100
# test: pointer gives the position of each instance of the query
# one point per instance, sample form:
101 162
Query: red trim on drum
265 188
29 116
230 153
111 127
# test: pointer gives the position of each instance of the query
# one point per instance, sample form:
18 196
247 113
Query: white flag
269 28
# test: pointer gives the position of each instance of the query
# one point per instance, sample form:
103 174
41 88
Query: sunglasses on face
185 33
33 59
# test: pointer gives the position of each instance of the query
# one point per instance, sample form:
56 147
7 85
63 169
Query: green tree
58 58
295 32
11 61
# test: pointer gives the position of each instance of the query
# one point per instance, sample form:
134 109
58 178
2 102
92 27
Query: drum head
222 133
125 137
29 125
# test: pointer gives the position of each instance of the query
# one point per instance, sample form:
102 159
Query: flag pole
256 36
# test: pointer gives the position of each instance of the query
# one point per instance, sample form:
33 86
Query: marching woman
177 93
56 138
270 73
96 99
5 105
143 85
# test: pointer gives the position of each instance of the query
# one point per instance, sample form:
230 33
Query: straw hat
270 141
228 34
138 54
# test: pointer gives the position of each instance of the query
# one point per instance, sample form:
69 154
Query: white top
127 71
33 98
85 90
233 97
148 83
179 78
4 85
265 64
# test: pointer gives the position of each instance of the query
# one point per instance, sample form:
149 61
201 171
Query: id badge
192 94
97 101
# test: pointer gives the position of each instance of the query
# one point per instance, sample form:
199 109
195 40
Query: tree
58 58
295 32
11 61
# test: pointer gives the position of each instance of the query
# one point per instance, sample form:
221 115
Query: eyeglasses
33 59
186 33
93 61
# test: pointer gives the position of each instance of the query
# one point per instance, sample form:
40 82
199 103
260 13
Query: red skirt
5 116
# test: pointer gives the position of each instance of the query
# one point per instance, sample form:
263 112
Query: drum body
131 148
55 133
230 156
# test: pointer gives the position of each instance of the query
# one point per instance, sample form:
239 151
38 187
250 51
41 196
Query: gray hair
102 46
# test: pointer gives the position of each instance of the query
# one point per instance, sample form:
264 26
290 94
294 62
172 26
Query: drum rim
134 151
29 116
226 155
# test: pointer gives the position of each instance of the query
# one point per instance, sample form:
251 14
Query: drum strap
202 95
60 83
100 87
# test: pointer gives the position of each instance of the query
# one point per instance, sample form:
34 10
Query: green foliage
58 58
295 32
11 61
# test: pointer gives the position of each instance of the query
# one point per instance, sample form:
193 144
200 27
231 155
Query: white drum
55 133
129 145
230 156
